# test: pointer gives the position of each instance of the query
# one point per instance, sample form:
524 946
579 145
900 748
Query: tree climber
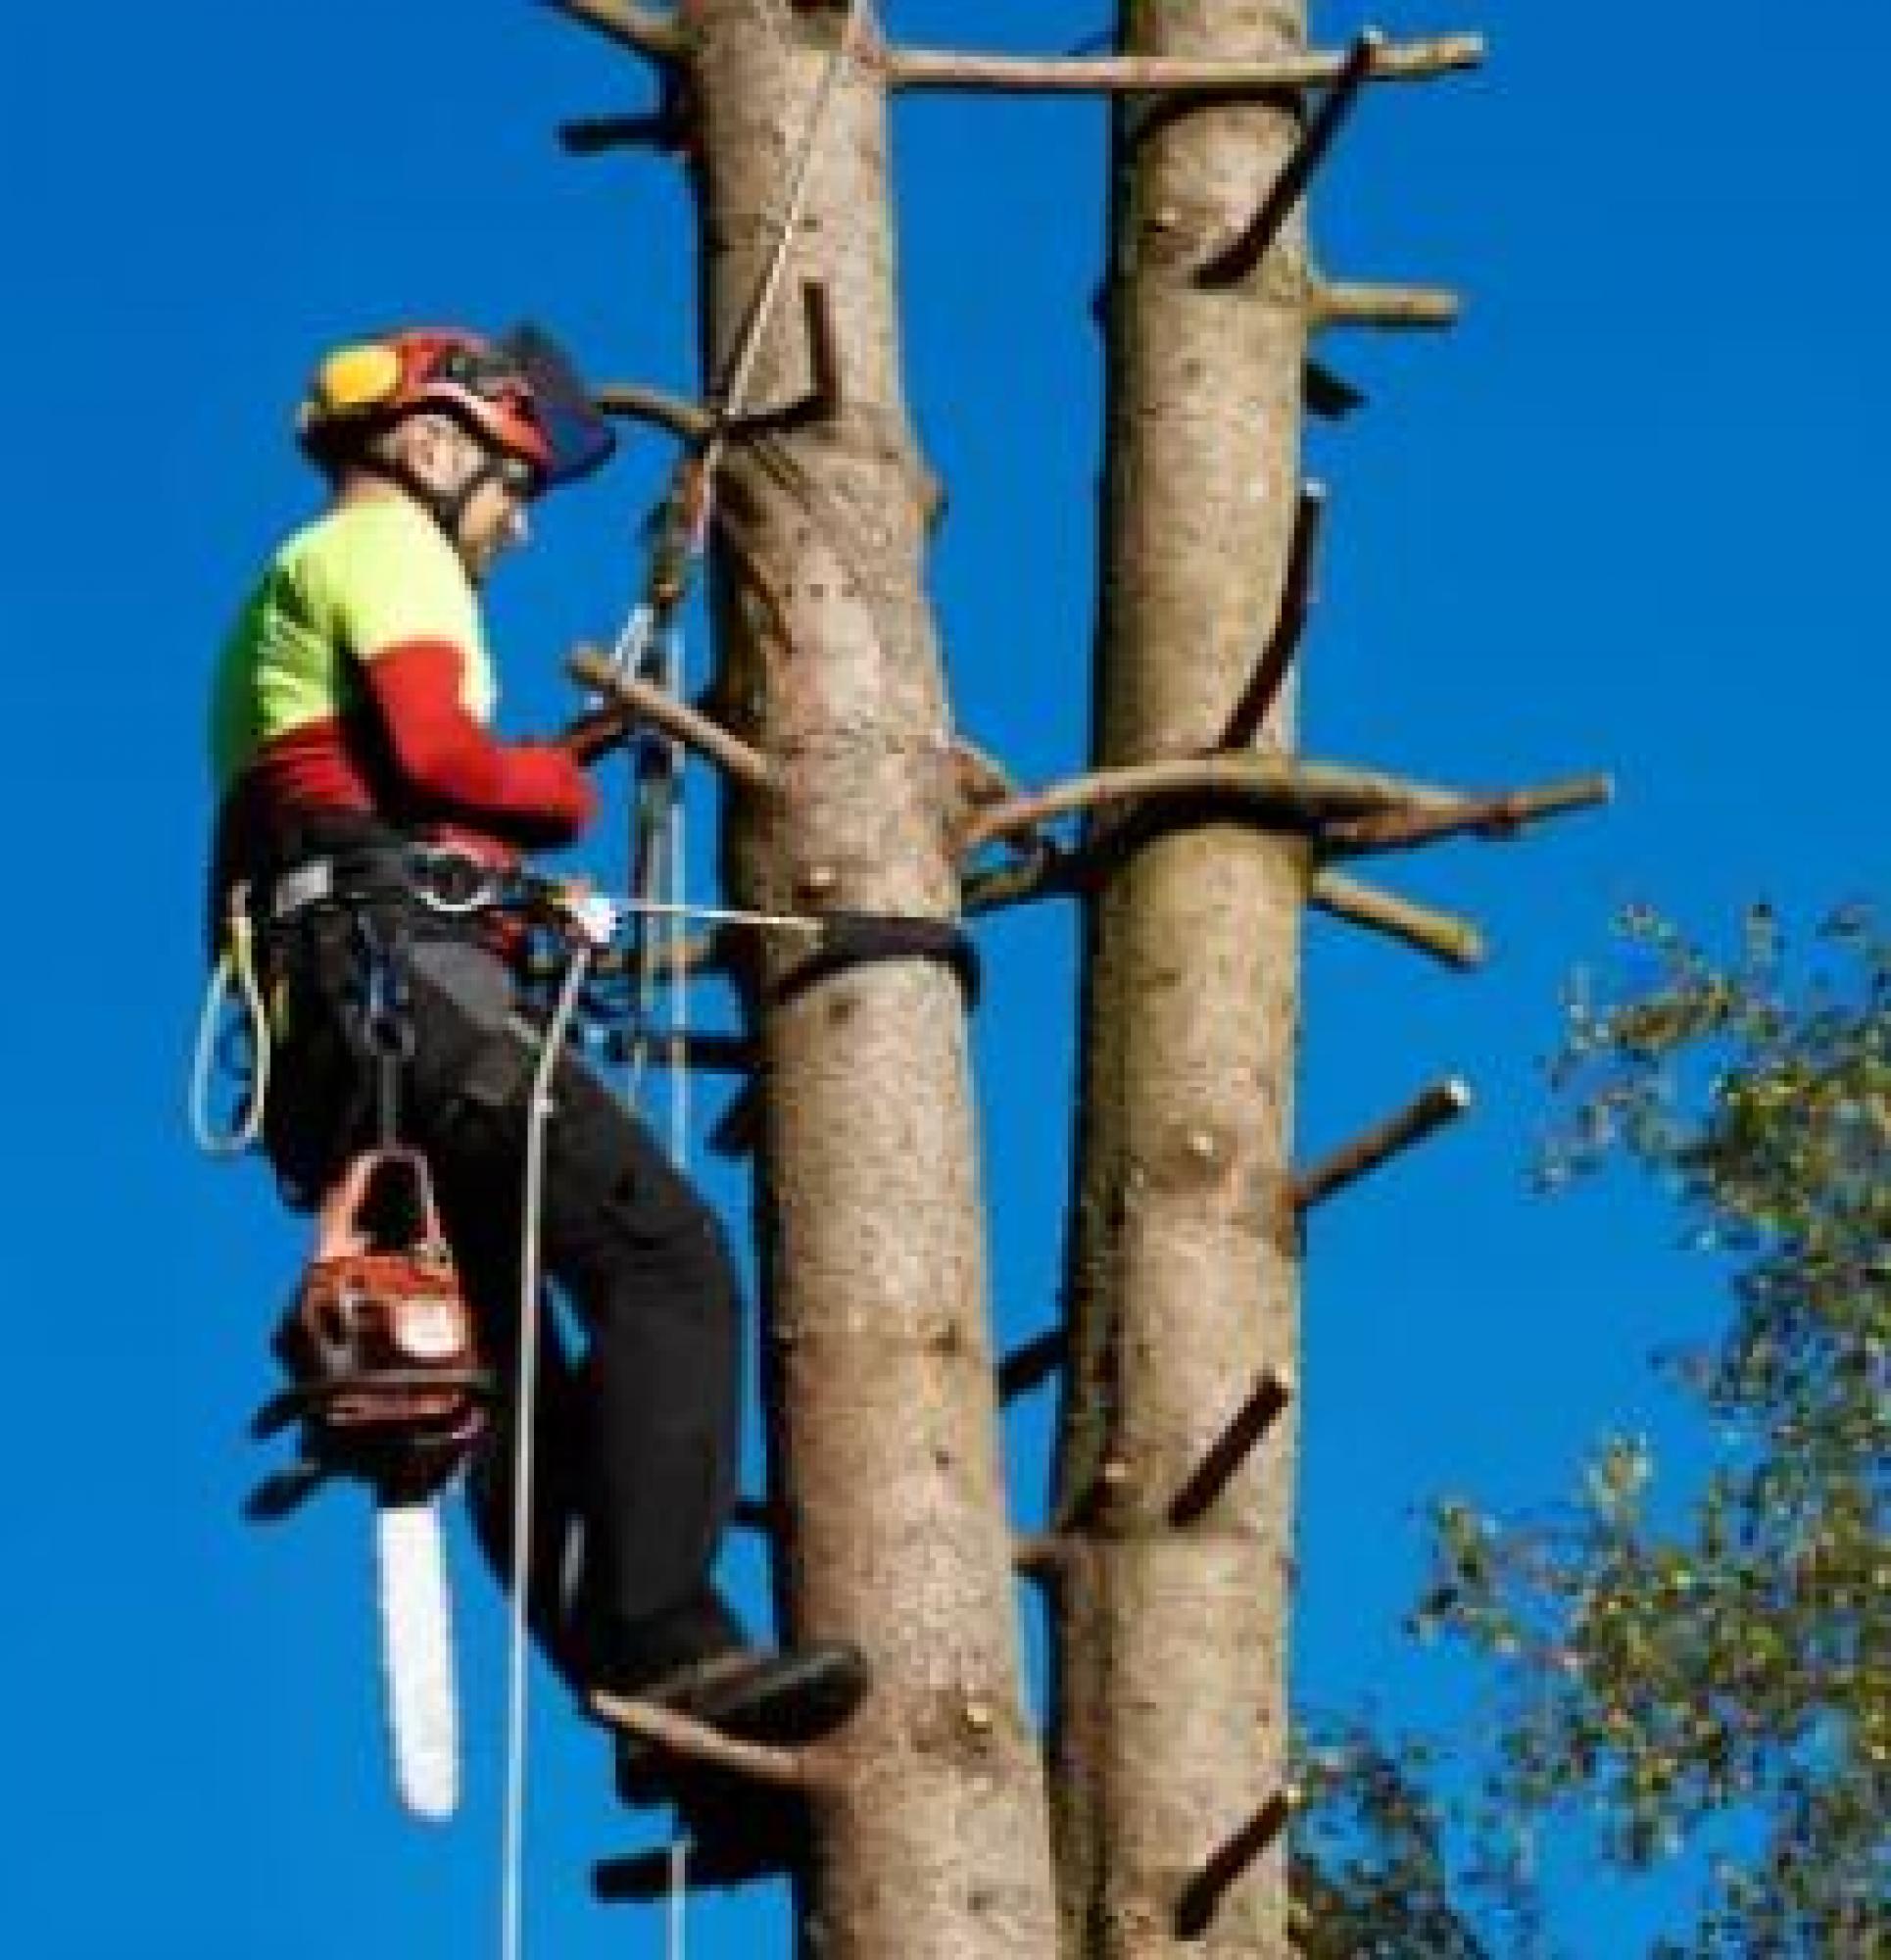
361 796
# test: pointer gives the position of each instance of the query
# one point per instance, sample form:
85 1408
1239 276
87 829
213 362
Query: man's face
446 456
495 520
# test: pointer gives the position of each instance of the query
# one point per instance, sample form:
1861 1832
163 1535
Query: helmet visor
580 439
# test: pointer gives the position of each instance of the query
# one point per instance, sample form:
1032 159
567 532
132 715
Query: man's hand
595 733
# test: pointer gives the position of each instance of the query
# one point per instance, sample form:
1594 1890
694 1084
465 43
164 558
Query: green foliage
1371 1876
1725 1680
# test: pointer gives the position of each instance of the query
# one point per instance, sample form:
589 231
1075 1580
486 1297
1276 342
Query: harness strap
864 939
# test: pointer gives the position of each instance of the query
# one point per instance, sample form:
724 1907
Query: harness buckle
454 882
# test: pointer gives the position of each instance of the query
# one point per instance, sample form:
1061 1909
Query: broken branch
630 702
1168 75
1455 941
1443 1103
644 30
1501 815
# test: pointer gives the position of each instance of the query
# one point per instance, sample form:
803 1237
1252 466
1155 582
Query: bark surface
934 1843
1182 1265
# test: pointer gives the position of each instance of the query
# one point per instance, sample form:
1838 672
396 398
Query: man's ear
433 448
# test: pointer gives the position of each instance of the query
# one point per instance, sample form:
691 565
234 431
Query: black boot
738 1831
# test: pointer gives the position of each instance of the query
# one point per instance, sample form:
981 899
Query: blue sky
1628 516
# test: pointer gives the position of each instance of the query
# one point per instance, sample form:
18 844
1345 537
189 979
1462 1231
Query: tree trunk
1183 1263
891 1502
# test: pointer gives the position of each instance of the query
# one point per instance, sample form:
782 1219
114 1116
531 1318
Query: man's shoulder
367 545
363 529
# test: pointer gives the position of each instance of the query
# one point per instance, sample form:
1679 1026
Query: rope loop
232 976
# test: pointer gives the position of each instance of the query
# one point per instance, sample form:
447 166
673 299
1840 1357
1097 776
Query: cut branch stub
593 135
1269 1397
1203 1895
1455 941
1331 302
1033 1364
1170 74
1329 396
1443 1103
1240 257
1284 643
642 31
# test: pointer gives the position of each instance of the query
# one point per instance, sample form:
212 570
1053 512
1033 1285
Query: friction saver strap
863 939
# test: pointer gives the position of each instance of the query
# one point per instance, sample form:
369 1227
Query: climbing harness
233 975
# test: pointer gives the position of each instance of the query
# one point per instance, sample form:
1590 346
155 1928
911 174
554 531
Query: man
360 795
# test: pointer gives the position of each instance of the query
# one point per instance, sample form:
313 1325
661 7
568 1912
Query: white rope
538 1118
734 395
679 1896
729 916
236 963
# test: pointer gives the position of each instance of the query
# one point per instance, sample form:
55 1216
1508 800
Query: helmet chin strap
447 507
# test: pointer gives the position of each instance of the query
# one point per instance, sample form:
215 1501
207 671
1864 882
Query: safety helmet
519 394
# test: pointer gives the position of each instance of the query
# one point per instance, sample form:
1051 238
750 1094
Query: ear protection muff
352 382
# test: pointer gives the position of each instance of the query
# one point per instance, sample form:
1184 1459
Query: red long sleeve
529 793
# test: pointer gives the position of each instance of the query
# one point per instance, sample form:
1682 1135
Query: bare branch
632 401
1203 1895
1040 1556
1443 1103
1331 302
679 1735
1500 815
1455 941
644 30
1168 75
641 702
1270 1396
1305 794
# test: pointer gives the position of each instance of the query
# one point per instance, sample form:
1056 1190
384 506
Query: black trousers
635 1445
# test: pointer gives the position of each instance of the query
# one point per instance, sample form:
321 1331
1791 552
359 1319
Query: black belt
445 880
